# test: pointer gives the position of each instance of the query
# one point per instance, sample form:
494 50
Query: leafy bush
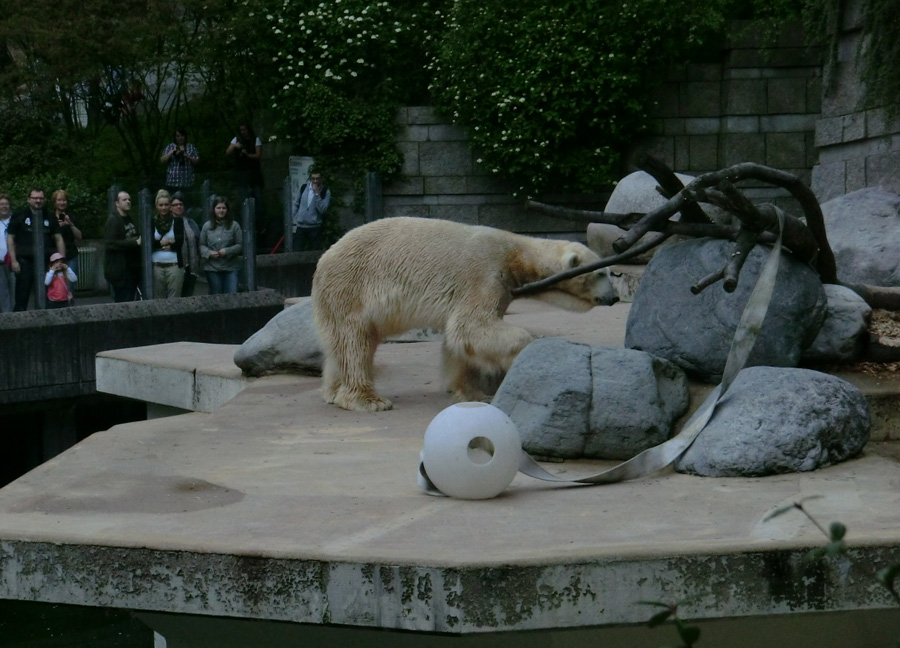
30 142
345 67
553 92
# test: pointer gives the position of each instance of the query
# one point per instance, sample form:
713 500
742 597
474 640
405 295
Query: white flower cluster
335 41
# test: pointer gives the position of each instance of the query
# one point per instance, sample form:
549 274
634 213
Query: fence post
40 255
288 240
248 212
146 226
112 195
374 202
205 193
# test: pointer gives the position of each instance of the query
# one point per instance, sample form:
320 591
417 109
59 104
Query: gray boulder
775 420
288 343
571 400
636 194
695 331
864 232
845 330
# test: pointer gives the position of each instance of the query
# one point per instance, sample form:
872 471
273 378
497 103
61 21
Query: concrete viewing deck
274 505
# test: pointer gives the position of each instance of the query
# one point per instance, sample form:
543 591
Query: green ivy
552 93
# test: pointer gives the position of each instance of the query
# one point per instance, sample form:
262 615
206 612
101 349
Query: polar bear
396 274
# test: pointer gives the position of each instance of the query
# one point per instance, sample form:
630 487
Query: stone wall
443 179
756 102
857 147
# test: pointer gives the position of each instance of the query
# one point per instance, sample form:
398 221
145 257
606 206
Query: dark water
46 625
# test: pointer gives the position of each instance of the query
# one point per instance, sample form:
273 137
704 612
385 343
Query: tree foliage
344 68
128 65
550 93
553 92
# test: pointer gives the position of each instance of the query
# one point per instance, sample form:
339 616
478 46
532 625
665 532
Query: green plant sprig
837 546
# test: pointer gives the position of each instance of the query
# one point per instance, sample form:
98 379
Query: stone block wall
857 147
758 102
442 178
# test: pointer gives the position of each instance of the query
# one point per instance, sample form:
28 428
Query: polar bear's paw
362 402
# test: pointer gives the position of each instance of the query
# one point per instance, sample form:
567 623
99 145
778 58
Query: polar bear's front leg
476 351
347 375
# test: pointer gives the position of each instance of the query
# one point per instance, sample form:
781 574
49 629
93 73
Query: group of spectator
180 248
19 245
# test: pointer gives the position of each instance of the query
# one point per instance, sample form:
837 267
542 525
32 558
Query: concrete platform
276 506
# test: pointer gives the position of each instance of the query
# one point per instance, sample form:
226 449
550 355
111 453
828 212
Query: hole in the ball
480 450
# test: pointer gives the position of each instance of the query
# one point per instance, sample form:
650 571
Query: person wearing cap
58 279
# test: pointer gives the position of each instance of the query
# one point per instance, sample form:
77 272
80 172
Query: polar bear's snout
604 291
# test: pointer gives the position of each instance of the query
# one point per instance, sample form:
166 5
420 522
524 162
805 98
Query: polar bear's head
585 291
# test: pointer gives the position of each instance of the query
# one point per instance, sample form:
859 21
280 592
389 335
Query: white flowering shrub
553 92
344 67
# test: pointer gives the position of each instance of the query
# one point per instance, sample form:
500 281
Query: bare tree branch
807 241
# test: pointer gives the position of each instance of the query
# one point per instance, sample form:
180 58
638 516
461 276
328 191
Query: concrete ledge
50 354
189 376
277 506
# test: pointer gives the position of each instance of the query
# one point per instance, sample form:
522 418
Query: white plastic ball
472 451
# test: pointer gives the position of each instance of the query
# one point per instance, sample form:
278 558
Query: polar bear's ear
571 260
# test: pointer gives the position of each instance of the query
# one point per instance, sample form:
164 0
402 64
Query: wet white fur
396 274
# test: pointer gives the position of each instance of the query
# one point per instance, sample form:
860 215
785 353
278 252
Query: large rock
695 331
288 343
776 420
636 194
845 330
572 400
864 232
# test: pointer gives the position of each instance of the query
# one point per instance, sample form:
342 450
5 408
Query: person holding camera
58 279
246 149
181 158
67 228
309 206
